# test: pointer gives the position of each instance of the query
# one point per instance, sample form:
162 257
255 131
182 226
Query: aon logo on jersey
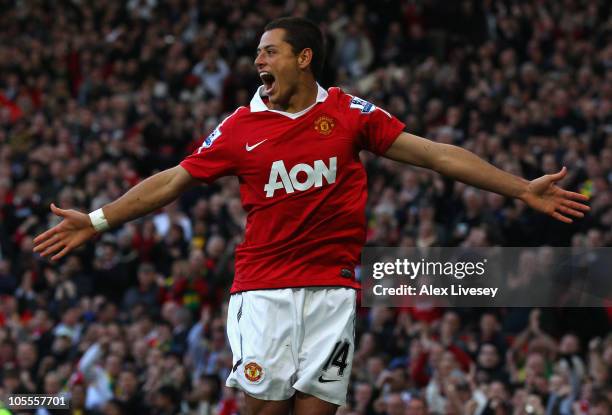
311 176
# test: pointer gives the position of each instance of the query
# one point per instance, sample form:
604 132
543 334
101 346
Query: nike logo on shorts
323 380
249 148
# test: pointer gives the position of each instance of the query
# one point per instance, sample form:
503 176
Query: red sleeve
377 128
216 156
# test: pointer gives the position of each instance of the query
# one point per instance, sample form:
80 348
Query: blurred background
97 95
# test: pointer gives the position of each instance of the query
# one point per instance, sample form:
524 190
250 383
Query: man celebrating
295 150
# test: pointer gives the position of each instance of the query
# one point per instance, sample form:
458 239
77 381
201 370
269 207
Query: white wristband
98 220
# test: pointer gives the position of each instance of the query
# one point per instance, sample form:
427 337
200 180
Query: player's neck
304 97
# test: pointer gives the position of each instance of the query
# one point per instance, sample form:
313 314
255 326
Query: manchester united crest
253 372
324 124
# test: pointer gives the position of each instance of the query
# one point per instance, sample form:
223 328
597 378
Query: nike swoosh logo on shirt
249 148
323 380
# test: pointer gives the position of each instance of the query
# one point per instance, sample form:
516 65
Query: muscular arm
149 195
541 194
457 163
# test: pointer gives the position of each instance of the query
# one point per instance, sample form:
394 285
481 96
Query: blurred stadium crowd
96 95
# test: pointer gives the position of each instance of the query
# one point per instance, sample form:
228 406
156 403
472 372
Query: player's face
277 66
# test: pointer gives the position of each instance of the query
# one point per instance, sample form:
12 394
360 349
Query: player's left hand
544 195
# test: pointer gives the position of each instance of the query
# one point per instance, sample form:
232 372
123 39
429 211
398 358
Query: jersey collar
258 105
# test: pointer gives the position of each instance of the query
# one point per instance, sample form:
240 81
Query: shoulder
235 117
225 128
233 120
336 94
339 100
346 101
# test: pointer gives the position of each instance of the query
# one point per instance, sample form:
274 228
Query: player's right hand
74 230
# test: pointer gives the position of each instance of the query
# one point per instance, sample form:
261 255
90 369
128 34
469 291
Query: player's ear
305 58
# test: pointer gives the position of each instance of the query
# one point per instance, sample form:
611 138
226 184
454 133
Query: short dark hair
302 33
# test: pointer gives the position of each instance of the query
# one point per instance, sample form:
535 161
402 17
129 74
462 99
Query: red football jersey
302 185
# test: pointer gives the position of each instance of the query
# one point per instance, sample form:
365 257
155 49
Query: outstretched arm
147 196
541 194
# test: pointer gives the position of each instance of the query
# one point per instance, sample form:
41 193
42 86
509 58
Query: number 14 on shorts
338 358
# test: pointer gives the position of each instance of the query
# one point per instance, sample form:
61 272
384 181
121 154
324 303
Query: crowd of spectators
97 95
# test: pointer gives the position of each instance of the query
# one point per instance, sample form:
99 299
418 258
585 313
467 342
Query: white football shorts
291 339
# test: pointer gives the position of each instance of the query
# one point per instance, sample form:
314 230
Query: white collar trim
257 104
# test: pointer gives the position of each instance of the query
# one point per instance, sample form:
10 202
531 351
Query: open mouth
268 81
